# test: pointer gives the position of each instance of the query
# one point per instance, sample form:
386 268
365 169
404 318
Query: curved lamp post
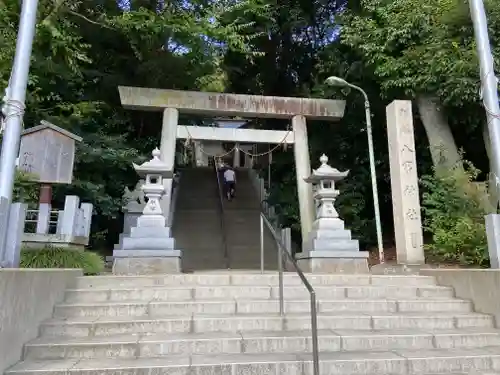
339 82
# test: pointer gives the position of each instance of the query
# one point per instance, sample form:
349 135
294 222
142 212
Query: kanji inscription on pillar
404 183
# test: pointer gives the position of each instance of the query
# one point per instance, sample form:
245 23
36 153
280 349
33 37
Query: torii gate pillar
303 170
167 153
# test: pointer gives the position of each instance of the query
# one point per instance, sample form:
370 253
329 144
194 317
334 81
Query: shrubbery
58 257
454 209
26 188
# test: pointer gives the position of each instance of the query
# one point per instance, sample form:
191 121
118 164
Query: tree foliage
415 47
25 188
425 50
455 207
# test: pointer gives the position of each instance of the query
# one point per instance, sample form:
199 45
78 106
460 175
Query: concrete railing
28 298
67 227
477 285
32 228
258 184
269 210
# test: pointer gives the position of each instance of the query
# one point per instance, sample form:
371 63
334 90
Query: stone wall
27 297
482 287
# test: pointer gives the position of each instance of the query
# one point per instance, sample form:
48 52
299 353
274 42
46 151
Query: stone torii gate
298 110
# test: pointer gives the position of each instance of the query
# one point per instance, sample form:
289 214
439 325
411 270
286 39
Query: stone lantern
149 248
323 180
329 247
153 172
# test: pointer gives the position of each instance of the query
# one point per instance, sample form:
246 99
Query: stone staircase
227 323
198 211
242 223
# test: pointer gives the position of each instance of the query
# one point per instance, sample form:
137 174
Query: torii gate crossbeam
208 133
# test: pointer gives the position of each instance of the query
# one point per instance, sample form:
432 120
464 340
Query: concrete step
197 205
236 254
215 253
216 262
159 345
125 291
196 213
199 323
242 250
224 278
189 220
395 362
237 205
270 266
245 225
198 201
202 213
155 309
250 244
247 203
194 265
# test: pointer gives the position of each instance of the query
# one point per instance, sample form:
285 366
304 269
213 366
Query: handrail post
280 276
261 244
314 329
282 251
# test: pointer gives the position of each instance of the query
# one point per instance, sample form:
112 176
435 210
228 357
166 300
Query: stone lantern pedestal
329 247
149 248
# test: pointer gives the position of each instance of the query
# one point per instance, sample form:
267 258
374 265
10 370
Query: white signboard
48 152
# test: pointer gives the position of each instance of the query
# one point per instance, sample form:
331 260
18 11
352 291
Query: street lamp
339 82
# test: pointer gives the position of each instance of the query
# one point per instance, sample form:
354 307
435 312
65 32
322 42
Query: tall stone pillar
198 155
167 153
169 136
404 183
303 169
44 209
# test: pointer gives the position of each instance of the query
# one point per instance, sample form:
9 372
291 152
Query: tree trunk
444 151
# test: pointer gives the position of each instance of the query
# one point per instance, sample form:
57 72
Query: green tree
422 50
455 208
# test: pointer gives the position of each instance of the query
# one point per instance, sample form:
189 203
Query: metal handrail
221 211
282 250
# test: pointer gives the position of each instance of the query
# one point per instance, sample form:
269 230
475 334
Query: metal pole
373 173
269 162
488 84
376 205
14 105
280 280
261 244
314 328
269 178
